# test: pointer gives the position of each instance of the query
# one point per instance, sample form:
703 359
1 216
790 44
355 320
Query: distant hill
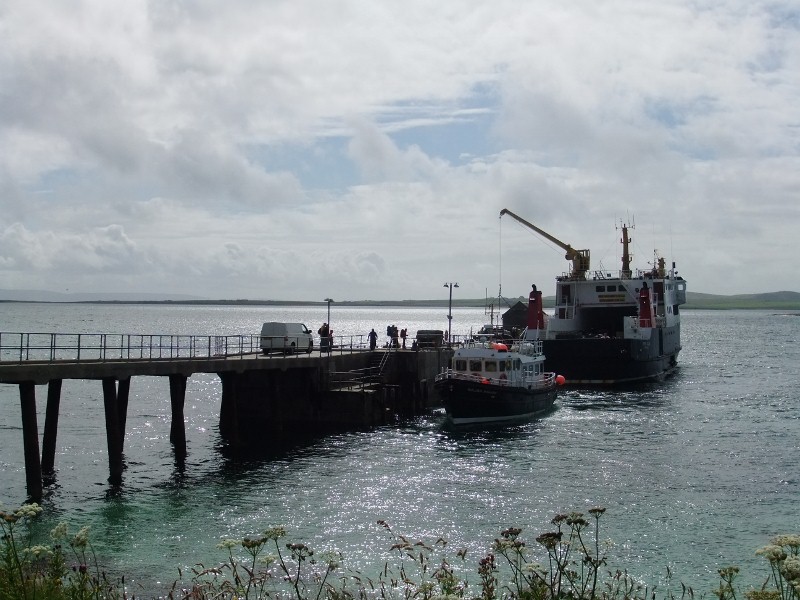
770 300
783 300
46 296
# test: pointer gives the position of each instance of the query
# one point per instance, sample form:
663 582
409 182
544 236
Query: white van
286 337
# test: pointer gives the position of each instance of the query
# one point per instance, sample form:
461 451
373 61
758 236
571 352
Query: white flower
787 540
81 538
38 551
790 569
772 553
28 510
59 531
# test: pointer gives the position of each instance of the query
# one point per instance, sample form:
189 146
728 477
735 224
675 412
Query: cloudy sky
304 149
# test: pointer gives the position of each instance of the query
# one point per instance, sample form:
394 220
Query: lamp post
329 342
450 285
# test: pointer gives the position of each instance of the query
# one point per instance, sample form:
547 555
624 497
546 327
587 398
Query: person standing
403 334
373 339
324 339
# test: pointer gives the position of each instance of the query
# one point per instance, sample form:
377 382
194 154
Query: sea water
696 473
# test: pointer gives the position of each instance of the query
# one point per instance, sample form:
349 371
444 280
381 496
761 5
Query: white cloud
364 150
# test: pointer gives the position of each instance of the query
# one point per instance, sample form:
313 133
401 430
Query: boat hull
614 361
475 403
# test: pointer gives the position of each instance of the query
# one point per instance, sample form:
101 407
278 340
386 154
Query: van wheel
310 347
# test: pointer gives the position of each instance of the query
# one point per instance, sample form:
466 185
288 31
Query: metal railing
102 347
18 347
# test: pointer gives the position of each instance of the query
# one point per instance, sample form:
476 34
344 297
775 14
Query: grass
569 562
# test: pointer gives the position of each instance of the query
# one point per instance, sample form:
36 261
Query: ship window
475 365
502 364
600 288
460 364
491 366
517 363
611 288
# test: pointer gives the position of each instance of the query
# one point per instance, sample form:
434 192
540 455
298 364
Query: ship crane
579 258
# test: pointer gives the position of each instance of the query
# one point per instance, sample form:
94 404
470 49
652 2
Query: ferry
611 328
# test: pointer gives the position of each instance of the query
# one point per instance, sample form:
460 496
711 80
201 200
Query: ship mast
626 255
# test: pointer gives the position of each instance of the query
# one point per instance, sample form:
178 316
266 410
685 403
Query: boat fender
560 379
485 381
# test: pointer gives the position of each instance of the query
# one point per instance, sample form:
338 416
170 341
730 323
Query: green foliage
567 563
65 569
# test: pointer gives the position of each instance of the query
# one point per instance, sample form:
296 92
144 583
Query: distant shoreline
705 302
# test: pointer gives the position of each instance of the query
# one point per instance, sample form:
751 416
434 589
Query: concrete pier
265 400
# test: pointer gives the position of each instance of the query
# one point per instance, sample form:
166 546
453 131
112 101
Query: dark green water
696 473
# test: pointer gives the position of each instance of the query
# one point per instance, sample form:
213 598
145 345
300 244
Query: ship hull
473 403
614 361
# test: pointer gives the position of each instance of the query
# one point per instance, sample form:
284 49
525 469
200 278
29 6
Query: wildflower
793 541
762 595
511 532
597 511
249 544
81 539
274 533
576 520
728 572
228 544
508 544
39 551
59 532
28 511
790 569
332 559
558 519
772 553
549 540
268 559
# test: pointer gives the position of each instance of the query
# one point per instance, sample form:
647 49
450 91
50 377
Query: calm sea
696 473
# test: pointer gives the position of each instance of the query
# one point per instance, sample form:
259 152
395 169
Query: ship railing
538 382
528 347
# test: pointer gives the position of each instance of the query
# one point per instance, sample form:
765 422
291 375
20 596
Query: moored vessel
611 328
490 382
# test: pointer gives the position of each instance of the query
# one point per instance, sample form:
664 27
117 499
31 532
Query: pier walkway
264 397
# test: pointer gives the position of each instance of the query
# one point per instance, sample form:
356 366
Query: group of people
395 336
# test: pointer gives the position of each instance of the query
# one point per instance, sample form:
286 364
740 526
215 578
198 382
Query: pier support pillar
51 427
228 414
30 436
113 437
123 391
177 432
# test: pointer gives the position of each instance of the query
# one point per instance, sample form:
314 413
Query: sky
353 150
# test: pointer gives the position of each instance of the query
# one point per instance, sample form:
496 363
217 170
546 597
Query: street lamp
450 311
329 341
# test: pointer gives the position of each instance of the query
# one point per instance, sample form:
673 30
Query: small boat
490 382
611 328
